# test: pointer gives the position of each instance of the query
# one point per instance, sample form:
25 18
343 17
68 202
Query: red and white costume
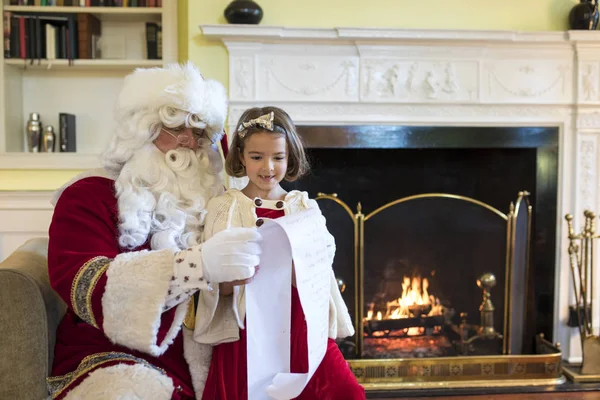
220 320
127 292
116 297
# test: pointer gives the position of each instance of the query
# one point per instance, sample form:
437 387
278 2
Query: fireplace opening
419 296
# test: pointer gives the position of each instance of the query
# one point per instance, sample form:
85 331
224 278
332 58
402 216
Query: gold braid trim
83 287
57 384
190 316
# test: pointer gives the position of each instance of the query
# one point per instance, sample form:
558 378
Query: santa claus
125 248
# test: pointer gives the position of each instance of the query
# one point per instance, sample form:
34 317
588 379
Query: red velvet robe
84 231
333 379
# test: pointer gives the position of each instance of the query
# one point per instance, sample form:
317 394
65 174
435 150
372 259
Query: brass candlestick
486 282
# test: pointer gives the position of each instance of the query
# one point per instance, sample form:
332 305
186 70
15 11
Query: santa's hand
231 255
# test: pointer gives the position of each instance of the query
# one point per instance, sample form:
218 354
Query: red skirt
333 380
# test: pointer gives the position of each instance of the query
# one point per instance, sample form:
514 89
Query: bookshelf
87 88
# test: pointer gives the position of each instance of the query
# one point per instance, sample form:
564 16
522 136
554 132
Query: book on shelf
67 133
89 30
153 41
7 28
87 3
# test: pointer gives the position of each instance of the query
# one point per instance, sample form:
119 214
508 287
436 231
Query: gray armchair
31 311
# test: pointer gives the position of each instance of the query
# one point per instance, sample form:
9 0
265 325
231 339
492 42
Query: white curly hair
164 196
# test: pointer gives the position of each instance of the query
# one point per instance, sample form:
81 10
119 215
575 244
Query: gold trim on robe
83 287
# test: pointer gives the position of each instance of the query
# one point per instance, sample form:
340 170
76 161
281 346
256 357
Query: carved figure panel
417 81
588 82
241 80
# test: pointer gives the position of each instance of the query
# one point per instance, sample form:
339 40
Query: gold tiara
264 121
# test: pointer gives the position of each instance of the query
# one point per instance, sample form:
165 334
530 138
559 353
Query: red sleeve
103 285
83 241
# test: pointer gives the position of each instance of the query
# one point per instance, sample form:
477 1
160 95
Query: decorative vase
584 16
34 132
243 12
48 140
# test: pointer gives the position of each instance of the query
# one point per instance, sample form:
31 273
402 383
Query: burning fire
414 302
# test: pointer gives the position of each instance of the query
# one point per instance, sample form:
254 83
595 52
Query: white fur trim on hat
180 86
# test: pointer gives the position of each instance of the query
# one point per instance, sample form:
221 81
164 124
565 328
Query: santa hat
180 86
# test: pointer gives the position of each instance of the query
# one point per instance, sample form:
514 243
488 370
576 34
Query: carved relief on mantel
540 81
425 80
588 119
242 79
588 82
588 179
316 78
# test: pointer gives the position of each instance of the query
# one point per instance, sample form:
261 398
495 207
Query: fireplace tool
581 260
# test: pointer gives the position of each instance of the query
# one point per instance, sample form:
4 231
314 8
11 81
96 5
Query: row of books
44 36
88 3
63 36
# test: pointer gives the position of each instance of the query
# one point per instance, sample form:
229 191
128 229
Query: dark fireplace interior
424 258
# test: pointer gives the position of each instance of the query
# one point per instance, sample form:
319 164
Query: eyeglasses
185 139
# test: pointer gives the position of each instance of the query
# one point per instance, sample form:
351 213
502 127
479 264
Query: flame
415 293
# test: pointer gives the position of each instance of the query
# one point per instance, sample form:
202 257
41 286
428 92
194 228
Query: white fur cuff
123 381
134 299
198 357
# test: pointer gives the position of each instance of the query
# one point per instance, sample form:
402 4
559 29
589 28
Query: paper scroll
301 237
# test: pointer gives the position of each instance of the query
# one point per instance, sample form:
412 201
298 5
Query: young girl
266 149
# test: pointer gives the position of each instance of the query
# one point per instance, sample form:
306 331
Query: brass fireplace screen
417 262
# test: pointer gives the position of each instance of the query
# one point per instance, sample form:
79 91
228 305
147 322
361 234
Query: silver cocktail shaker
48 139
34 131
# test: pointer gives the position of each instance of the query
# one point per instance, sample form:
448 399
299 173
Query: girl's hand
226 288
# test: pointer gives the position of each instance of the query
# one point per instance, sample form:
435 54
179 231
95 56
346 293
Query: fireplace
434 203
427 97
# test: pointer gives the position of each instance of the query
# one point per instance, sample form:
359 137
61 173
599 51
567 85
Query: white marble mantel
436 77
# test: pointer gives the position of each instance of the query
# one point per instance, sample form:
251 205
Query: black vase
584 16
243 12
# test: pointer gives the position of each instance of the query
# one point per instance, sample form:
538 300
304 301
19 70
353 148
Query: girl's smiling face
266 159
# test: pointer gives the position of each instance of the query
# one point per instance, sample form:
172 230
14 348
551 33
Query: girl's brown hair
282 125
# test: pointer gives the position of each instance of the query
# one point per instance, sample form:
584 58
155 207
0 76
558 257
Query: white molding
23 200
49 161
350 34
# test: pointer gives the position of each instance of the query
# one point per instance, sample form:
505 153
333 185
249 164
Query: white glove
228 256
231 255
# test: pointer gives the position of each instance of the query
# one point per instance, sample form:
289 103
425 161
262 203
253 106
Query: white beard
164 196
